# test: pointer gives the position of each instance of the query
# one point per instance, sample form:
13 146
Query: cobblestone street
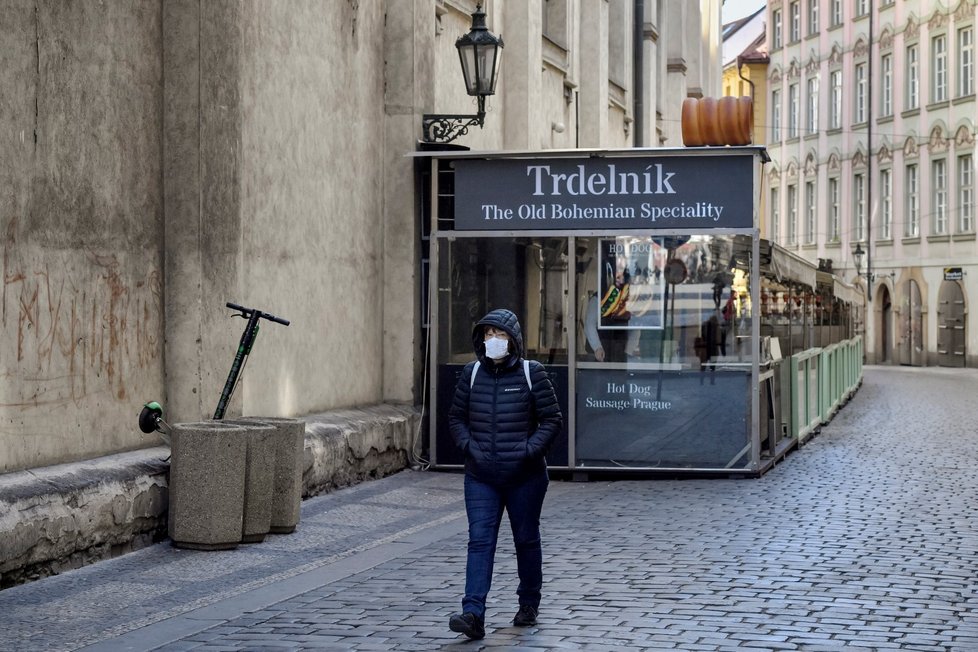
864 538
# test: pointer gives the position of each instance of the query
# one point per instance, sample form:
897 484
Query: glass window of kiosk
659 372
526 275
663 355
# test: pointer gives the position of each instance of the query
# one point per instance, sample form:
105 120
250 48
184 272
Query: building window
794 15
834 221
938 49
886 205
775 116
966 193
938 180
966 61
813 105
776 28
858 207
862 7
792 215
913 78
812 17
811 211
859 113
836 13
555 21
886 94
775 216
835 112
793 110
911 225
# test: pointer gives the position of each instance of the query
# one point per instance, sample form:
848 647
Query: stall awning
786 266
847 293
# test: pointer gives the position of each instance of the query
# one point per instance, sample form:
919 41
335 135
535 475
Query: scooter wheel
149 416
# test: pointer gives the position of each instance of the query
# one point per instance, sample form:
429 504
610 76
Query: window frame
794 110
911 215
886 204
886 85
912 77
938 195
861 86
938 71
858 206
775 226
835 99
794 20
966 62
966 193
835 209
776 26
792 199
811 211
812 112
775 115
813 17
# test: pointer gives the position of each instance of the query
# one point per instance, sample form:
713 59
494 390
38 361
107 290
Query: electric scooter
151 416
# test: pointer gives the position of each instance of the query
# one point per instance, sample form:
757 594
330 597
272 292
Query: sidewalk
865 538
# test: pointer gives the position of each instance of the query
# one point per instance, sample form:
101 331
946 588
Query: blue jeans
484 505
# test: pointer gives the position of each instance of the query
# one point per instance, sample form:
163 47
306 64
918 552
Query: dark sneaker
526 616
468 624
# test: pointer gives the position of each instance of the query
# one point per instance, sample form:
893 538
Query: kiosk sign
648 192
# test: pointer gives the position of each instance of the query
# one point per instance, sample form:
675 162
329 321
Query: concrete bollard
259 479
289 442
207 484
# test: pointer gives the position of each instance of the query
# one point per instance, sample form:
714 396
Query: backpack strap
526 372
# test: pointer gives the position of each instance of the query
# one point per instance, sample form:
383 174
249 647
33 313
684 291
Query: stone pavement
865 538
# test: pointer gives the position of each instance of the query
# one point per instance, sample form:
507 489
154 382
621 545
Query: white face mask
497 348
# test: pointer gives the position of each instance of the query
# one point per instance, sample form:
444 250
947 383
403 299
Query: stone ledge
57 518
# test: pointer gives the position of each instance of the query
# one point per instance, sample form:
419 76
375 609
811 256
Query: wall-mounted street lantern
857 256
478 52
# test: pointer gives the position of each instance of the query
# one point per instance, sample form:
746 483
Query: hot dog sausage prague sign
664 192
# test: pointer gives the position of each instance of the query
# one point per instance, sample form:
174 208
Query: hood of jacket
504 320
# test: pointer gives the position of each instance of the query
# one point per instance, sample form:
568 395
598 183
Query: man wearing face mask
504 419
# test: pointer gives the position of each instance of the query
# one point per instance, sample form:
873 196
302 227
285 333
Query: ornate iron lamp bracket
446 127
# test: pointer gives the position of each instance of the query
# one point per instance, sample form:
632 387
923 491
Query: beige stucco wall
81 226
312 202
191 153
159 159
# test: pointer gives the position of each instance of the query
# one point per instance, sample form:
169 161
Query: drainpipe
753 100
740 73
638 72
869 163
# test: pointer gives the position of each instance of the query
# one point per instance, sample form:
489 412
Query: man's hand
599 354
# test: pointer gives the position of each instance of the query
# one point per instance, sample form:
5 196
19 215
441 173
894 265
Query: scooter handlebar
262 315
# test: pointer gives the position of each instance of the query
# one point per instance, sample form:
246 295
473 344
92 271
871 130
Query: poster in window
631 283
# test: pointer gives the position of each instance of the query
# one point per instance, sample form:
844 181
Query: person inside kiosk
504 418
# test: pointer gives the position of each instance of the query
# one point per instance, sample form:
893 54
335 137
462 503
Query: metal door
950 325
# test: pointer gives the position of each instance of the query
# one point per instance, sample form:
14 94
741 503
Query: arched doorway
911 326
884 328
950 325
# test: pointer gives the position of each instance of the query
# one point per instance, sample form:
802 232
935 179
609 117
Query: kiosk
635 274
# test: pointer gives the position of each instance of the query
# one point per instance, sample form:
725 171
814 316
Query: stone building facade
160 159
871 130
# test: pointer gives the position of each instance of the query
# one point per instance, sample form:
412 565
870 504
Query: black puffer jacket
502 426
